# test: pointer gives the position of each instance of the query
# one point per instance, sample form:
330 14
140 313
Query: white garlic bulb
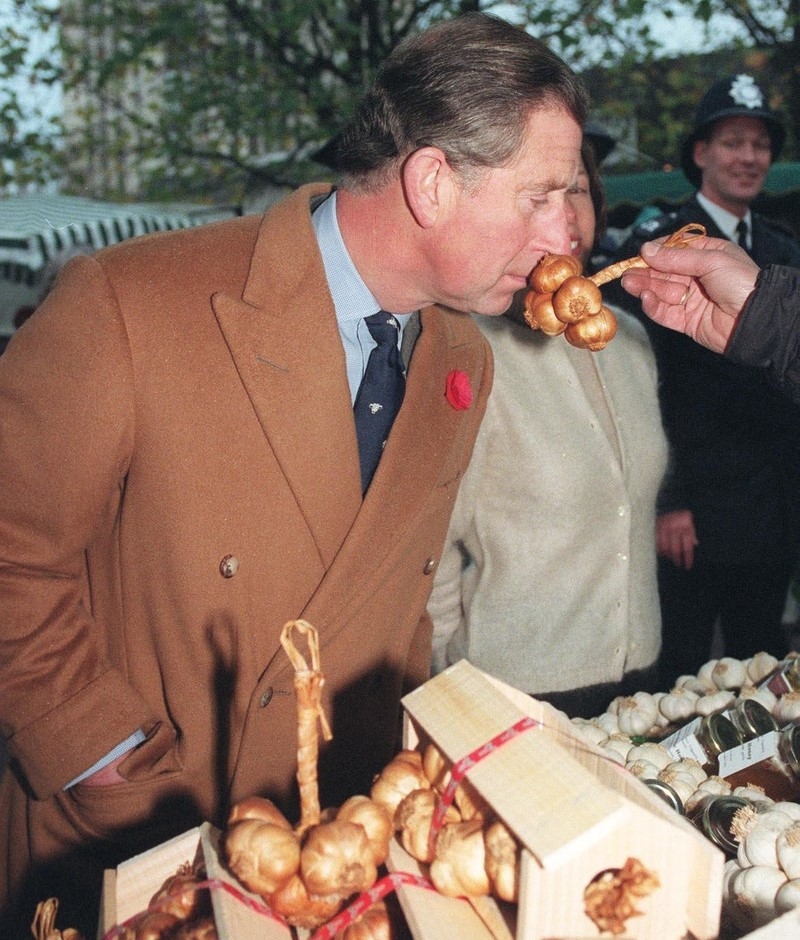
704 675
787 708
760 665
587 731
759 836
651 751
752 893
636 714
679 704
787 897
714 702
787 848
729 673
763 696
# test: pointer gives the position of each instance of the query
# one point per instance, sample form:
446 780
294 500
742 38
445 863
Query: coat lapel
284 340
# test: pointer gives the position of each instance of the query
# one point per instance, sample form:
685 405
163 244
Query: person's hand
676 538
698 290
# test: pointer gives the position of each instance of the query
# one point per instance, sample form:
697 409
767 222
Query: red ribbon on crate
381 889
461 767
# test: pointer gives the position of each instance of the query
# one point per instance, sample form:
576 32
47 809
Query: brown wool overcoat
178 478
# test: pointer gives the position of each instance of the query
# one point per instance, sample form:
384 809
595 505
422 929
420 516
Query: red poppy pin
458 391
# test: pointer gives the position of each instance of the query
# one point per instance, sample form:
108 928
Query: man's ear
428 183
699 152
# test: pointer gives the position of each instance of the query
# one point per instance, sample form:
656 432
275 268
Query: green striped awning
36 227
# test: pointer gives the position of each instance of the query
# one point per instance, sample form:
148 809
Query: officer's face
734 162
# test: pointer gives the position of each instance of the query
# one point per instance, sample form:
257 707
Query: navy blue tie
380 394
741 233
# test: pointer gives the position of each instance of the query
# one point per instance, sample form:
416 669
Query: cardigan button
229 566
430 564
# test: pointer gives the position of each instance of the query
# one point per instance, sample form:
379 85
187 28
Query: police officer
729 513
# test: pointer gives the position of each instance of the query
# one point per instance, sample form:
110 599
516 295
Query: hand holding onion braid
562 300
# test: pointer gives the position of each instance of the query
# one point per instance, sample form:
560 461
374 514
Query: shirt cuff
134 740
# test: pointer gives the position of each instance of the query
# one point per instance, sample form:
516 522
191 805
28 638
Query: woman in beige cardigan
548 577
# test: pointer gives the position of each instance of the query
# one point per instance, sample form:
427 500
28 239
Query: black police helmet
734 96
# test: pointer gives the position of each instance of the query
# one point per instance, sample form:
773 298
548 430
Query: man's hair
466 85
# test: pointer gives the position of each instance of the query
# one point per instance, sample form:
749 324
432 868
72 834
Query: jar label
751 752
684 743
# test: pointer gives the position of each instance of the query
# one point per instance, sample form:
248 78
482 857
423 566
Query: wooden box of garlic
195 856
581 846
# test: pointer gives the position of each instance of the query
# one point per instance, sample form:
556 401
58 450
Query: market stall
513 822
36 227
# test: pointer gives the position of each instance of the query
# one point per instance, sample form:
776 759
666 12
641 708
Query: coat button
430 564
266 698
229 566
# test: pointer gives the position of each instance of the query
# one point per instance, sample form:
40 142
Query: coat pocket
151 797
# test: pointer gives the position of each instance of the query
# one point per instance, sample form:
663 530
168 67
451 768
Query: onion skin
540 315
261 855
460 864
414 817
301 909
336 859
373 924
502 861
578 297
374 819
551 272
258 807
155 925
398 778
594 332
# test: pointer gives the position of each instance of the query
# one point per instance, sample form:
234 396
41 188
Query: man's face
496 232
734 162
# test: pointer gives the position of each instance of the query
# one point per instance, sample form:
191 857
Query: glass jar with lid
667 793
714 815
751 719
704 739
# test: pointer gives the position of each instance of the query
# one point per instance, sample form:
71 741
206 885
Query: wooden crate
575 813
128 888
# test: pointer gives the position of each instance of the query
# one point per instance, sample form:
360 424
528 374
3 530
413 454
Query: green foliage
212 99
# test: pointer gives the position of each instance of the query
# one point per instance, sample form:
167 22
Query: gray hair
466 85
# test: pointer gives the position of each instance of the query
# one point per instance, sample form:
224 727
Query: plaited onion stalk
44 923
562 300
307 873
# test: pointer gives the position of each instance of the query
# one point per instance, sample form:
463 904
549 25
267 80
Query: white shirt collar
725 221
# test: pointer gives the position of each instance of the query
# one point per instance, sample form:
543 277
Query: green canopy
672 185
628 192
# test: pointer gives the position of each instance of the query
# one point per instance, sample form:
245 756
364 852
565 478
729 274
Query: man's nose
554 236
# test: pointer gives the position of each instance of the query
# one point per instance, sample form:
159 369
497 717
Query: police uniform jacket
734 439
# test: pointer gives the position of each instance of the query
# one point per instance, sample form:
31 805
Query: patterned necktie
741 233
380 394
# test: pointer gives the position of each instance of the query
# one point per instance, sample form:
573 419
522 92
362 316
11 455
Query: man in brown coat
179 467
